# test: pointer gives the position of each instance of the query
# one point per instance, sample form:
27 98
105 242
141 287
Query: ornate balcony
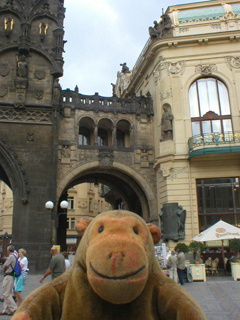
210 143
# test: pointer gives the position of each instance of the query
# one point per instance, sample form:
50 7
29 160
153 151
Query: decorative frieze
4 69
40 74
169 67
3 90
38 94
106 158
174 172
233 62
173 67
206 69
166 95
27 116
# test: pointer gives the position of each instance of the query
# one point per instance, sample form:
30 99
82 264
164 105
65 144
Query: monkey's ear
82 225
155 232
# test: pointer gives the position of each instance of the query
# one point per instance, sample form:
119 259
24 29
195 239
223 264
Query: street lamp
49 205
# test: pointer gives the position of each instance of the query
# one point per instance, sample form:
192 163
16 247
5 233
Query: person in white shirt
67 262
22 279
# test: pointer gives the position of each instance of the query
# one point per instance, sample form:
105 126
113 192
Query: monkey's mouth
123 277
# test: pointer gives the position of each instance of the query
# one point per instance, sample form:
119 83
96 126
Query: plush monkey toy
115 276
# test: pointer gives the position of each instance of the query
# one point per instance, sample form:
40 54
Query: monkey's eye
100 229
135 230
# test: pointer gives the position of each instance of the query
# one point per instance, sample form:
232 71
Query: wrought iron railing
216 138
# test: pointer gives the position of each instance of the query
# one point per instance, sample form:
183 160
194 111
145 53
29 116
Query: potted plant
235 245
196 247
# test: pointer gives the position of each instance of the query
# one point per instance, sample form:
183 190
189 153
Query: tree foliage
182 246
234 245
196 246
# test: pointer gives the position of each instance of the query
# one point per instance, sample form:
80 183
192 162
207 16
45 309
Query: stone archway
143 190
121 180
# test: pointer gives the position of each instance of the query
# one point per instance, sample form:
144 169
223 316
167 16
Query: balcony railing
216 138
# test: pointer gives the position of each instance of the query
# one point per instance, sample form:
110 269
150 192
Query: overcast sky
100 35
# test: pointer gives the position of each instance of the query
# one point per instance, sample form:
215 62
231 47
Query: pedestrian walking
180 266
172 264
9 305
57 264
22 279
67 262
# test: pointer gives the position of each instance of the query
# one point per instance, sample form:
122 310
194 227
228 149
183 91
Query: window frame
209 115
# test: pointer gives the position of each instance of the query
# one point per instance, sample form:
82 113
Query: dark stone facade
31 37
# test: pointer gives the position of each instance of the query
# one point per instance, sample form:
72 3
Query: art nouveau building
191 67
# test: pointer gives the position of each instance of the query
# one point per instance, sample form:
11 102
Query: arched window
84 136
102 137
209 107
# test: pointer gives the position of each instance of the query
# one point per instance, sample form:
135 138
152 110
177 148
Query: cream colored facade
204 44
6 208
84 201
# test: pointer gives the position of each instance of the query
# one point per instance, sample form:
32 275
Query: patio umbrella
219 231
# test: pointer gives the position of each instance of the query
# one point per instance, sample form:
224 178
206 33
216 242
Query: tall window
84 137
90 205
70 203
218 199
209 107
73 223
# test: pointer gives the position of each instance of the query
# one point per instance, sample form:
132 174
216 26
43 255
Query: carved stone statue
56 91
8 26
173 219
22 67
161 28
166 124
125 69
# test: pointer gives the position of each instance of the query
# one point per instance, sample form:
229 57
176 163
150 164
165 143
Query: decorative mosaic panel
236 8
203 14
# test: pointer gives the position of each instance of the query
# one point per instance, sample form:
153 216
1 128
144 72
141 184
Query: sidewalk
219 297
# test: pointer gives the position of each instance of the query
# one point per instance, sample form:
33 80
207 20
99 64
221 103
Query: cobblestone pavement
219 297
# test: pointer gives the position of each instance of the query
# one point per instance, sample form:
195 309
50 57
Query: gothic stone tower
31 47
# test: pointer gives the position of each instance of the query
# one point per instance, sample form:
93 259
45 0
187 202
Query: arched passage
122 182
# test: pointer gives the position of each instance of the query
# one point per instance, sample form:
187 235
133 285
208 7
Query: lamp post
49 205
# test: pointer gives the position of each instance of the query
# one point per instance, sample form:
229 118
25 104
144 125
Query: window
70 203
99 209
218 199
73 223
102 137
120 138
67 222
209 107
90 205
84 136
90 186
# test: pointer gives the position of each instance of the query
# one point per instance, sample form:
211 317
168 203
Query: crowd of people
14 283
176 266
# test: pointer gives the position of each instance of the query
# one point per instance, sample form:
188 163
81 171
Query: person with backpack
9 305
20 280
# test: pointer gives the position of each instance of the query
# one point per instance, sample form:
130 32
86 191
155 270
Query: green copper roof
201 14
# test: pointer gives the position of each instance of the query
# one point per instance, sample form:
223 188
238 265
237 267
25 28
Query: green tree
235 245
182 246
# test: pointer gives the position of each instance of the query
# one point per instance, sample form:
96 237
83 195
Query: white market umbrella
219 231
